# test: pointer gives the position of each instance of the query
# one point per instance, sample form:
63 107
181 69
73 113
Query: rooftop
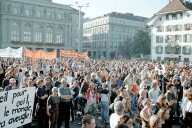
176 5
127 16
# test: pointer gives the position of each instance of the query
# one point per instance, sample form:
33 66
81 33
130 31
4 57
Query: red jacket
88 94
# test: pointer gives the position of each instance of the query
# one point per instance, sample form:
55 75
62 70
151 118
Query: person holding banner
53 107
43 120
12 85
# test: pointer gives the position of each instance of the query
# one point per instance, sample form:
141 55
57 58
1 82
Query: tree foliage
141 42
124 48
139 45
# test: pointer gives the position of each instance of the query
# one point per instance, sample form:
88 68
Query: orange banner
28 53
73 53
39 54
83 55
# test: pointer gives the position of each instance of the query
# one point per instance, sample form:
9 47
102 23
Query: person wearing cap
12 85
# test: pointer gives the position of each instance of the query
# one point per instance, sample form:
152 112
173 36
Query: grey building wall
38 24
102 35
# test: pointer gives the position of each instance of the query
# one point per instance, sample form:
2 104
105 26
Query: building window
169 28
27 12
15 10
159 29
174 16
59 16
180 16
38 37
39 26
60 28
187 26
187 50
159 49
50 27
178 27
27 25
49 37
14 35
49 14
15 24
168 39
111 44
167 17
168 50
178 38
115 44
59 38
38 13
27 36
159 39
187 38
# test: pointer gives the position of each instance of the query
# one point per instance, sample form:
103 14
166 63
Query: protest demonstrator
16 107
84 83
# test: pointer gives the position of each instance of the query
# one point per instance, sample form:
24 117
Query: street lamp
80 6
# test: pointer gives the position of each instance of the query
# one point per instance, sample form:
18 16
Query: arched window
50 27
27 25
60 28
39 26
15 24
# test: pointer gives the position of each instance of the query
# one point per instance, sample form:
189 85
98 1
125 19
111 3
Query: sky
96 8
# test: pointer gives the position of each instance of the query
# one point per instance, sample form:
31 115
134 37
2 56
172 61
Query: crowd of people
130 92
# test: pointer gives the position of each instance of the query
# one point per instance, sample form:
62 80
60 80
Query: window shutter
161 49
157 39
190 38
156 50
173 38
180 38
183 50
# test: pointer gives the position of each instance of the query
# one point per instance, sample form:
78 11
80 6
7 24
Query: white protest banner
16 107
4 52
16 53
10 52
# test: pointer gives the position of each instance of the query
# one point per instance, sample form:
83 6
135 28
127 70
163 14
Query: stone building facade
102 35
38 24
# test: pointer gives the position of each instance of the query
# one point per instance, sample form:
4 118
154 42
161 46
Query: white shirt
153 95
188 108
185 101
114 119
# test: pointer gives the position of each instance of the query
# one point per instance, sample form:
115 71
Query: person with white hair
142 96
65 96
154 92
144 72
119 108
12 85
